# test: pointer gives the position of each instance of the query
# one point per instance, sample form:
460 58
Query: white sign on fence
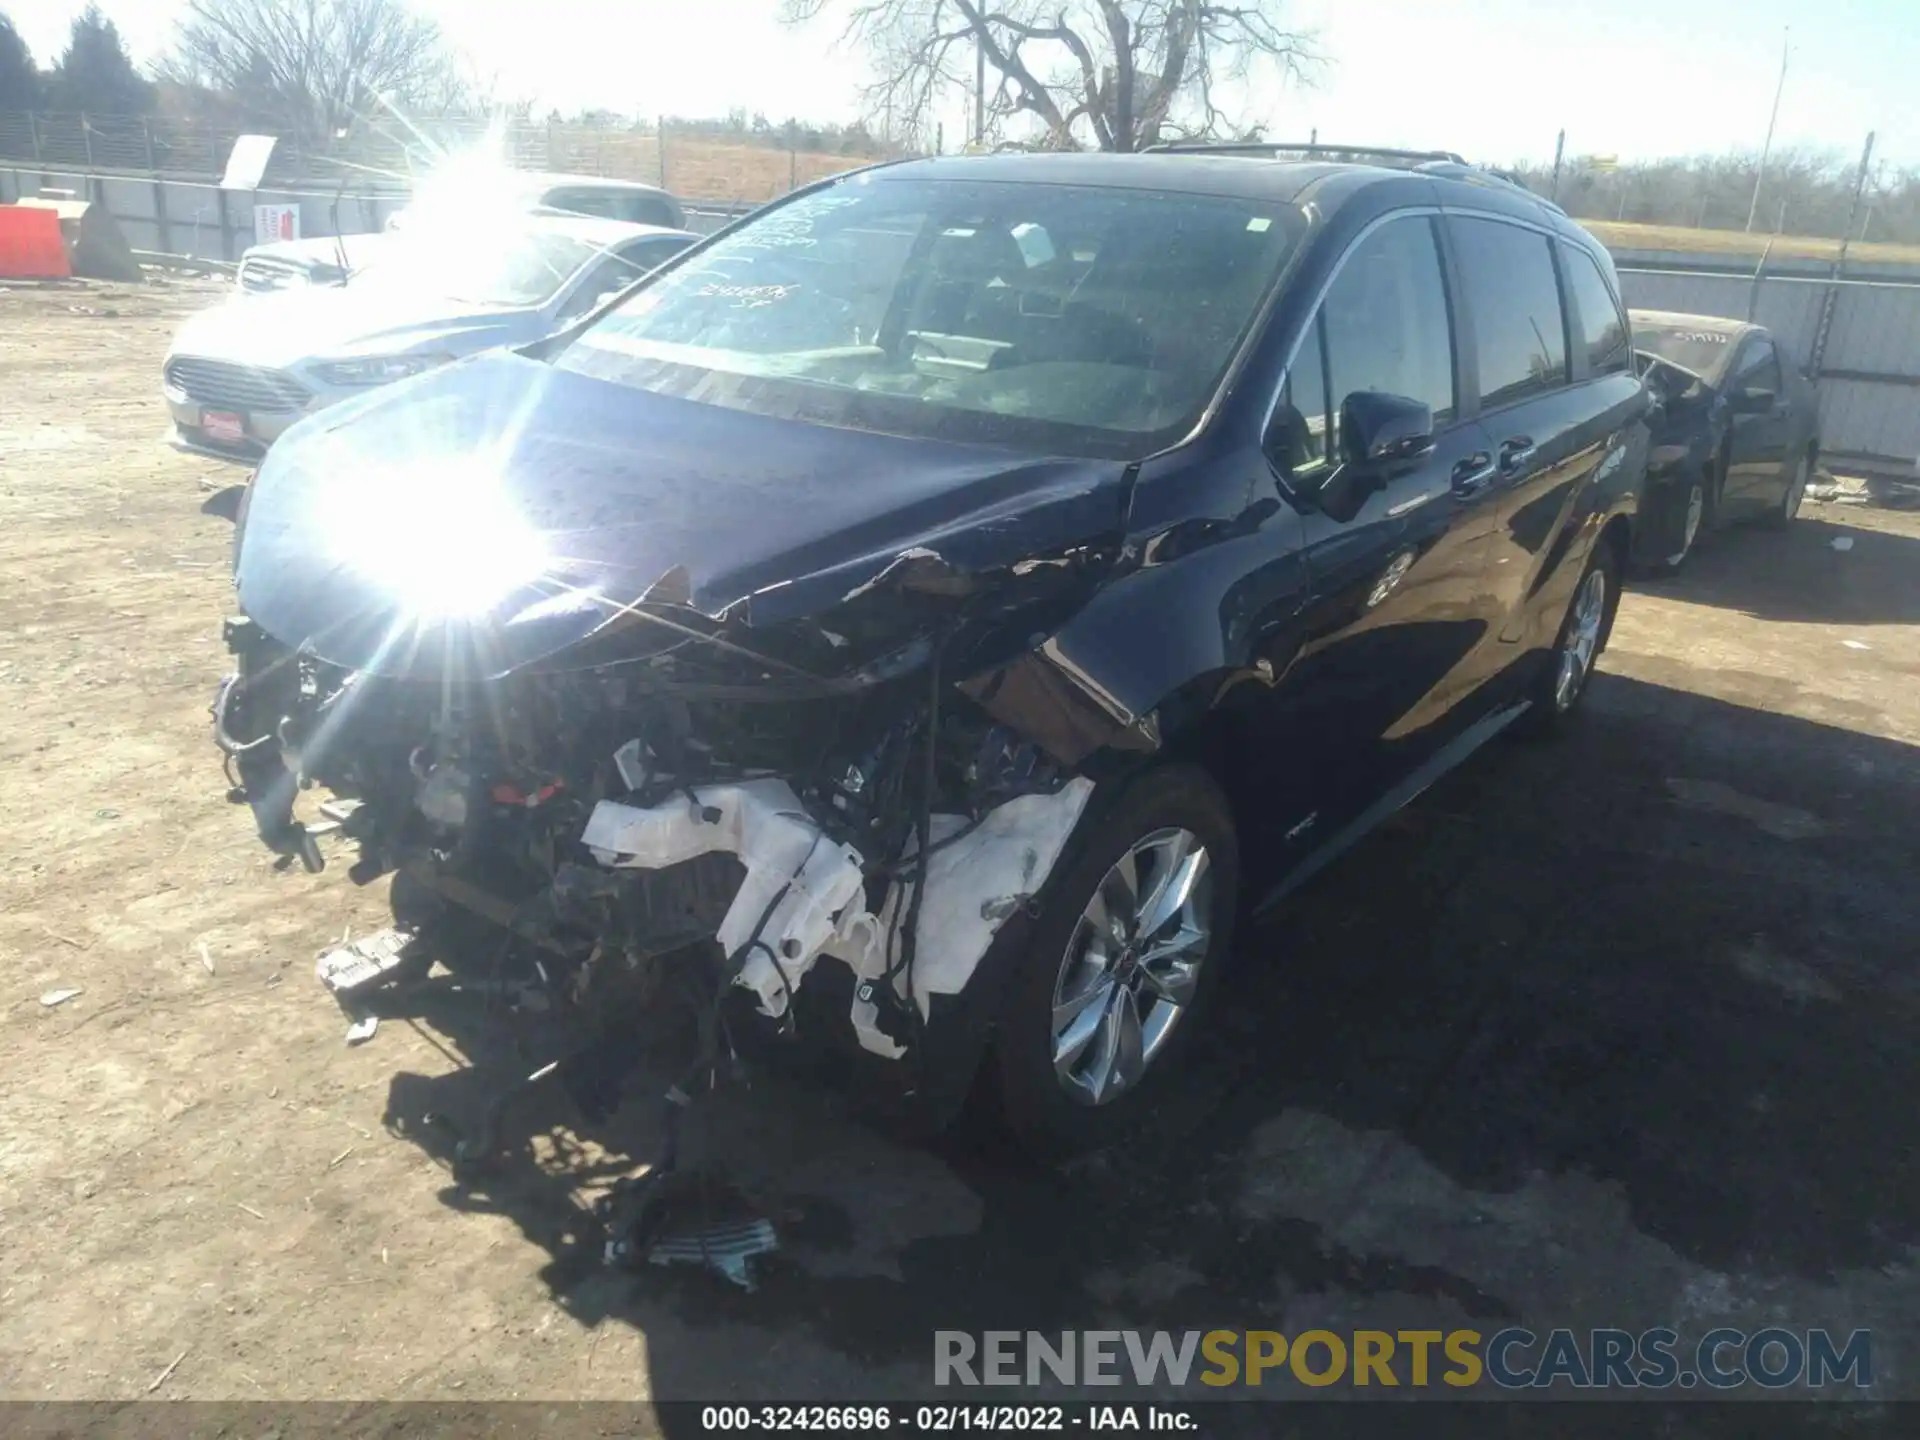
275 222
247 162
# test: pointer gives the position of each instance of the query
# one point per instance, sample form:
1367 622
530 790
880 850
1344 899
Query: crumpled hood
287 327
497 511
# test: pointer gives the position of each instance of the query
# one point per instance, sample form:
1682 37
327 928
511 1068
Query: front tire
1691 507
1128 946
1784 514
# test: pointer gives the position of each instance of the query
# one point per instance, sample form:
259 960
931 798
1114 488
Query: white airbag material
764 823
973 885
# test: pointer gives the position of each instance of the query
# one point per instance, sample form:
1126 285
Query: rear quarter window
1603 326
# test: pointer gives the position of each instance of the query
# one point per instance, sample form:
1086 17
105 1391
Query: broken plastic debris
797 881
1856 644
362 1030
52 998
366 962
724 1248
1842 542
206 957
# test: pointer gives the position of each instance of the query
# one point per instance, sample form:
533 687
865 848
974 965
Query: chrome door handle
1473 473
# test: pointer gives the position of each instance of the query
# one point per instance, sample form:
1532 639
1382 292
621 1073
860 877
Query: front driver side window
1302 412
1759 370
1385 323
1382 327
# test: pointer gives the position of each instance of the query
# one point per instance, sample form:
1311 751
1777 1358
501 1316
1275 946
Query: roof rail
1272 147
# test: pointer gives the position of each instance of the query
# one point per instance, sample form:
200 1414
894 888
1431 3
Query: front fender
1156 649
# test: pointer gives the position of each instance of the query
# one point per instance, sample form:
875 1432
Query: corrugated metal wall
1870 374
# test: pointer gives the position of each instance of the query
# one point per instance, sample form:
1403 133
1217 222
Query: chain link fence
696 161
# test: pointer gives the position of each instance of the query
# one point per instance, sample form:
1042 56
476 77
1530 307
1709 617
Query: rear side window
646 210
584 202
1520 334
634 206
1603 329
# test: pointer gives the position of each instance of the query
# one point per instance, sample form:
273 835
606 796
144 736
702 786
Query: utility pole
1559 149
979 85
1767 147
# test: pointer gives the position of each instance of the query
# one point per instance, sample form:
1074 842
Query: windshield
1705 352
516 267
1077 319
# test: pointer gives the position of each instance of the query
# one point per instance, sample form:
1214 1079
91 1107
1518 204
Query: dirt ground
1621 1030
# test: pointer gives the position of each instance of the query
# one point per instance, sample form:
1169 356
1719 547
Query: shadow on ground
1796 575
1621 1030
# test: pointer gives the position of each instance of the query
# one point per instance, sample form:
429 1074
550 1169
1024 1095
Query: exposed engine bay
611 816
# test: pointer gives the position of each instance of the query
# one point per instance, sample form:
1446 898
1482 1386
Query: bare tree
1121 74
1806 192
314 66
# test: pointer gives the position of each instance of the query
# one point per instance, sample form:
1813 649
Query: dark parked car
1735 435
959 591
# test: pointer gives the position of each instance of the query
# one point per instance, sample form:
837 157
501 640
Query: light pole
1772 119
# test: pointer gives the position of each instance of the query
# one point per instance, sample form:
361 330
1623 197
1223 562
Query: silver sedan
240 374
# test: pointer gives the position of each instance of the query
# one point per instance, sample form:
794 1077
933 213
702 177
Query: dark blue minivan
921 617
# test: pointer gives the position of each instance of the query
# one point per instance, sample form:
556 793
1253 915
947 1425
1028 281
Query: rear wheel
1126 950
1783 514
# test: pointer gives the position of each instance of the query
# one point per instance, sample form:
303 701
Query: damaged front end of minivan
691 721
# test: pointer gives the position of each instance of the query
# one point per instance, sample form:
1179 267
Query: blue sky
1494 79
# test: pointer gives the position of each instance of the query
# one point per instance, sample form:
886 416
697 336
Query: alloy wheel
1582 642
1132 965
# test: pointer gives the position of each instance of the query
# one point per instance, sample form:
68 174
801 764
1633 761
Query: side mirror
1381 437
1753 402
1386 434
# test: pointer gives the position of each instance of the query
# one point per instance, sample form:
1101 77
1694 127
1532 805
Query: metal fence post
163 230
33 129
1831 300
220 212
660 134
86 137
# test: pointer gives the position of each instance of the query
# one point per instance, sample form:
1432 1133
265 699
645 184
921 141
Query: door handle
1516 454
1473 473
